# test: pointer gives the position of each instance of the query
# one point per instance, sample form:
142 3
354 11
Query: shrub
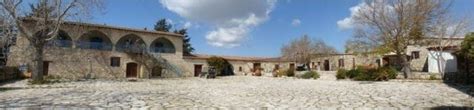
366 73
433 77
280 73
223 67
341 74
285 72
386 73
290 73
310 74
353 73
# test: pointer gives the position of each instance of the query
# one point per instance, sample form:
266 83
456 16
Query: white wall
448 62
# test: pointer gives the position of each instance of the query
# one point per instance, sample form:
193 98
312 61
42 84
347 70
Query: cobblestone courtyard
235 92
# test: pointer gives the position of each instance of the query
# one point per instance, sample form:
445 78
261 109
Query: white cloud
348 22
296 22
187 25
232 19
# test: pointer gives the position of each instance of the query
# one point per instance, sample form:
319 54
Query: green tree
466 56
223 67
187 48
467 46
163 25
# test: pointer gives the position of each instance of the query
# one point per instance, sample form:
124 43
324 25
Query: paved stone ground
235 92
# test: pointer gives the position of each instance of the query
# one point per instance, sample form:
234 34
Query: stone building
422 57
83 50
240 65
333 62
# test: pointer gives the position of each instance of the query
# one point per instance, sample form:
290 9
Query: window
240 69
415 54
341 62
115 61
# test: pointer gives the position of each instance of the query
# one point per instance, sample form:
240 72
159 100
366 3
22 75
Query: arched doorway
132 70
156 72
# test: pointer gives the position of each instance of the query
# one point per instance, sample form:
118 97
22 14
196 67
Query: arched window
162 45
130 43
62 39
94 40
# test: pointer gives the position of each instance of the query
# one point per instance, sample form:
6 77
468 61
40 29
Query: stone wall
246 66
350 61
75 63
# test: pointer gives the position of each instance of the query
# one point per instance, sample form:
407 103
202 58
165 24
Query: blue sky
275 22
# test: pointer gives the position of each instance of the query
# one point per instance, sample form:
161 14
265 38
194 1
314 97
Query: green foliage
433 77
163 25
362 73
386 73
467 46
220 64
310 74
353 73
286 72
290 73
187 48
341 74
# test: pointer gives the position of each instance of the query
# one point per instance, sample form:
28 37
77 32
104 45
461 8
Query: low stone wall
420 75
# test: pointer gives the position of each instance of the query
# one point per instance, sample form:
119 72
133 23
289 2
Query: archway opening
131 43
162 45
94 40
157 71
62 39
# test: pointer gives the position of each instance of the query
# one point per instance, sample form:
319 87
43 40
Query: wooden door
326 65
292 67
45 68
132 70
197 70
256 66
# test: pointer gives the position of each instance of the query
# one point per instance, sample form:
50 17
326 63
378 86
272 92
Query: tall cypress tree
187 48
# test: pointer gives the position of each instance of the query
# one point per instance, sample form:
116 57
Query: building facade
84 50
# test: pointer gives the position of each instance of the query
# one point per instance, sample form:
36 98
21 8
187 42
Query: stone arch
162 45
62 39
94 40
157 71
130 43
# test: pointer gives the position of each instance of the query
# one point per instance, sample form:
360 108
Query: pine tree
162 25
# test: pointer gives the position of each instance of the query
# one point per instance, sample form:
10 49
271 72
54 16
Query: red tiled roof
237 58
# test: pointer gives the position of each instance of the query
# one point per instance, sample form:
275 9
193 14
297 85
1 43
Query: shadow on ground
452 108
9 81
465 88
3 89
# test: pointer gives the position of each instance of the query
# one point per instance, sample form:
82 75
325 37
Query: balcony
94 45
59 43
162 50
131 48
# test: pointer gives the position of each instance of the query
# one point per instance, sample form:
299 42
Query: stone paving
234 92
